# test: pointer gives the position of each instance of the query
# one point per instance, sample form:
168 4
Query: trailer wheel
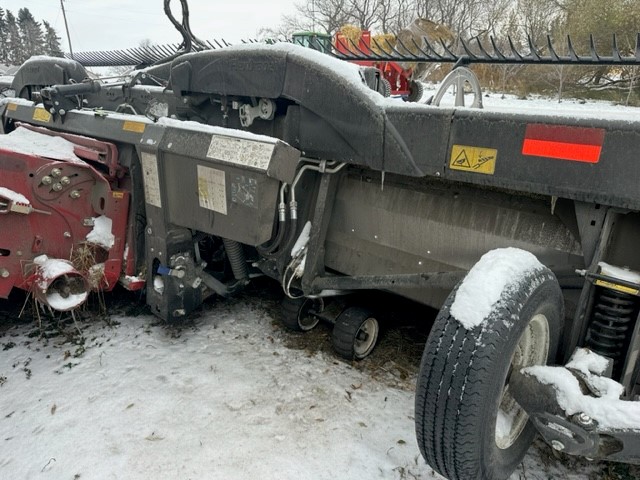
384 87
296 313
355 333
416 90
468 425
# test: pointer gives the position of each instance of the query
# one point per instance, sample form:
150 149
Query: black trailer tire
416 90
295 313
463 380
384 87
355 333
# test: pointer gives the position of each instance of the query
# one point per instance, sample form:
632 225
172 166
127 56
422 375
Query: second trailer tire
355 333
296 313
468 426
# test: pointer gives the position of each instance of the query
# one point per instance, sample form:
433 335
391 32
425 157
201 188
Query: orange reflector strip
578 144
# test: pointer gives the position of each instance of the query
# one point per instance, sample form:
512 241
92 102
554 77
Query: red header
579 144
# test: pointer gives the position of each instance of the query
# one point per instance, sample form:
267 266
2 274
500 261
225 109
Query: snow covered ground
224 396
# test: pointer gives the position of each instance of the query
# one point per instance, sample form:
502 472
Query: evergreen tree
51 41
31 34
3 38
15 50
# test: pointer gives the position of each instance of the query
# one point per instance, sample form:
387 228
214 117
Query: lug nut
65 181
47 180
4 273
74 194
56 172
557 445
57 187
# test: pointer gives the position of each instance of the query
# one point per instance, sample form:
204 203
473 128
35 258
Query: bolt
557 445
47 180
4 273
74 194
57 187
149 231
56 172
584 420
67 234
63 111
65 181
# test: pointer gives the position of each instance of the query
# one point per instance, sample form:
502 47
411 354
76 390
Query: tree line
22 37
506 21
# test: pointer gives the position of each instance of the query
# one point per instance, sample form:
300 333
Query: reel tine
552 53
496 50
592 47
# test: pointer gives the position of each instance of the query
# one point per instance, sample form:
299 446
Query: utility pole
66 26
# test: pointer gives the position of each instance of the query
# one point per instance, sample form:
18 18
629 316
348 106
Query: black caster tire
296 313
355 333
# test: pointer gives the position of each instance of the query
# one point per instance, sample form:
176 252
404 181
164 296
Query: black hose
291 237
235 253
269 249
188 38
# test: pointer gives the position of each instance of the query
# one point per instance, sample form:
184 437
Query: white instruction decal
212 191
241 152
151 179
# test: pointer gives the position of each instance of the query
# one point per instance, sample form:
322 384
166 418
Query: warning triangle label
462 160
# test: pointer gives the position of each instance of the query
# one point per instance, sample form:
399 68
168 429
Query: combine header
200 173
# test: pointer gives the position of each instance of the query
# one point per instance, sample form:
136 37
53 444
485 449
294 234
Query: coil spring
236 259
611 327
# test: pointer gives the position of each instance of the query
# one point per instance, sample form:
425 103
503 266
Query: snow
609 411
17 101
220 398
116 116
62 304
27 142
101 234
587 361
13 196
485 283
509 105
620 273
227 132
51 268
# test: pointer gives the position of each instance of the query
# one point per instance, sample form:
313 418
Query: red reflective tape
578 144
562 151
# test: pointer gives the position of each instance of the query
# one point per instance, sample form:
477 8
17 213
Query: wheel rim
532 349
306 321
366 337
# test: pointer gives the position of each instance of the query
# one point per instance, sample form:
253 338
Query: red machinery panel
62 207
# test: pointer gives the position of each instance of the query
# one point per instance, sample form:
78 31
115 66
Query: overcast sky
109 24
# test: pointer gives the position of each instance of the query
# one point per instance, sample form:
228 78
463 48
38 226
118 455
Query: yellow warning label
616 287
473 159
41 115
12 107
136 127
119 195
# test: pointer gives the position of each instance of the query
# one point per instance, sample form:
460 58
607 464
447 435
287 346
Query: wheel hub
532 349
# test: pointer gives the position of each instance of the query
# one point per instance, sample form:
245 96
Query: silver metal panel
438 227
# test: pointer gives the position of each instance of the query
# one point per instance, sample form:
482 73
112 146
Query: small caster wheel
298 313
355 333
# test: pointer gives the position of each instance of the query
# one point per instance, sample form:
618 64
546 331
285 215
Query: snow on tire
468 426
